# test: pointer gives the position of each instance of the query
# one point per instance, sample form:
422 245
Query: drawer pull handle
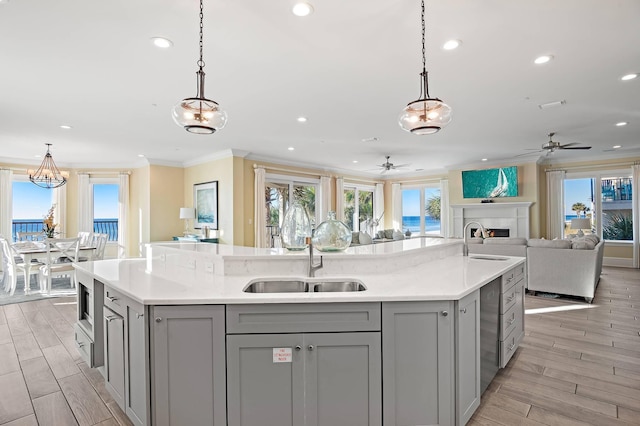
298 347
79 344
110 318
464 310
510 298
311 347
512 346
138 316
158 319
511 321
445 313
112 298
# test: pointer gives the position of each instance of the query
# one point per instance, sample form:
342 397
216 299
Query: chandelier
48 175
199 115
426 115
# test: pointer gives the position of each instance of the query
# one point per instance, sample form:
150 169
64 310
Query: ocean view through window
421 210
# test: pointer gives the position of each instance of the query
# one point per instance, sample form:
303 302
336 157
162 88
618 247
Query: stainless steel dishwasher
489 332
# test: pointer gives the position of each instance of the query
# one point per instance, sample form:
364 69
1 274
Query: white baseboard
620 262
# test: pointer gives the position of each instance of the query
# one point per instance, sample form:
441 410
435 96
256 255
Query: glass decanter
332 235
296 226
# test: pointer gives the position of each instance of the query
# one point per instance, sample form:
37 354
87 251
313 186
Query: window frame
102 181
357 187
291 181
422 187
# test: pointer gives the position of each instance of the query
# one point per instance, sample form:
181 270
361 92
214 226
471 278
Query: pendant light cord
424 89
201 62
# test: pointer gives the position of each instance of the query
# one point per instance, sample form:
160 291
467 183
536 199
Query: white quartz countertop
448 278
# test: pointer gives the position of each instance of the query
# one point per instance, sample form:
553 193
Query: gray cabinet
188 365
114 355
467 338
418 370
511 313
89 334
311 379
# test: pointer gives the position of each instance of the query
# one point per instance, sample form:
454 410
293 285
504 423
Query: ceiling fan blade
576 147
568 144
529 153
401 165
383 171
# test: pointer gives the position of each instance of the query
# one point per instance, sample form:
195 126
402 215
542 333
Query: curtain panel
6 207
445 212
635 196
340 199
259 214
396 205
555 201
123 213
325 198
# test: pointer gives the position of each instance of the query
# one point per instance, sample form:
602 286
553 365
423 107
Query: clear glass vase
296 227
332 235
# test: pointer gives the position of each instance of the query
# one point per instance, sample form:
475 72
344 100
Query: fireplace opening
493 232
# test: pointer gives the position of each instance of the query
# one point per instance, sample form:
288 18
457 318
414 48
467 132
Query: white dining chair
61 252
11 267
30 236
86 238
100 243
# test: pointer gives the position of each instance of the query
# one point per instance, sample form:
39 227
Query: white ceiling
350 67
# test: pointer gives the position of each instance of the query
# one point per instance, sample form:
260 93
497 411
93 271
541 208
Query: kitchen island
179 341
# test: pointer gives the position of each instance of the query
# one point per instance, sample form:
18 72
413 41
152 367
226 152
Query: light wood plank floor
578 364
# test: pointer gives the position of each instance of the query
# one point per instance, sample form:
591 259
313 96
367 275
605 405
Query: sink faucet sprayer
312 267
465 248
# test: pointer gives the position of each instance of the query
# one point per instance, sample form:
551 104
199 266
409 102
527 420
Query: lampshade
187 213
582 223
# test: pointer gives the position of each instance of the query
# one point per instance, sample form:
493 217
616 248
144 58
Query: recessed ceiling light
370 139
302 119
622 123
141 155
291 148
355 161
552 104
302 9
451 44
617 146
484 159
65 126
161 42
542 59
628 77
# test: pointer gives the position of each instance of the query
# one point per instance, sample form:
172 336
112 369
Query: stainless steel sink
336 286
487 258
283 285
277 286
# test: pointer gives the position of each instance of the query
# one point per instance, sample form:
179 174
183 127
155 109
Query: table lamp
580 224
187 213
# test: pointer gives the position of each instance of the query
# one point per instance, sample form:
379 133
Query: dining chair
86 238
61 253
100 243
30 236
11 267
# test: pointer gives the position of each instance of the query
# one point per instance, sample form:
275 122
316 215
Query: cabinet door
265 380
114 355
188 360
137 395
417 349
343 379
467 357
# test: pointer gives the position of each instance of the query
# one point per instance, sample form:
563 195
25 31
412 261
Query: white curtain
378 206
396 205
325 198
555 201
85 203
259 215
445 213
60 212
635 196
6 206
340 198
123 213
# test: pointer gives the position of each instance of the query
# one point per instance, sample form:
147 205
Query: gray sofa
569 267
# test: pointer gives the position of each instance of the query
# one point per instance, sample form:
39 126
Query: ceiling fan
388 166
552 145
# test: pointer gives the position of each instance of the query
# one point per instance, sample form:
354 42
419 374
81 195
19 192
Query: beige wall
165 199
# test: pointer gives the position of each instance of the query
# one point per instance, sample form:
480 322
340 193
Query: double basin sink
303 285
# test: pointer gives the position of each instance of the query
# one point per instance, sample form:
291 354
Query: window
421 210
105 209
603 198
358 208
280 192
30 204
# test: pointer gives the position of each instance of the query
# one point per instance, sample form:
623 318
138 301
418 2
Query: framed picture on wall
205 200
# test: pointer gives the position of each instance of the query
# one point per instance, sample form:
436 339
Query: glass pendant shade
425 116
296 227
199 115
331 235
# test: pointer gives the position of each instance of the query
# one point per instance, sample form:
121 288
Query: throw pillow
388 234
364 238
506 240
397 235
583 245
557 244
381 234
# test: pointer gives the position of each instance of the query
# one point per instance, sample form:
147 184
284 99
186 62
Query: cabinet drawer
519 272
303 317
508 279
508 299
508 321
508 348
84 344
115 300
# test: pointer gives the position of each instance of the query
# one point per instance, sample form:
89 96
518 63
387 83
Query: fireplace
511 219
493 232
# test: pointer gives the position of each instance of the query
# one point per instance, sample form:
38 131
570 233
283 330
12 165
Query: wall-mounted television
490 183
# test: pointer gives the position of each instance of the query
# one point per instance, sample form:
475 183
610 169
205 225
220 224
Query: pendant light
199 115
48 175
426 115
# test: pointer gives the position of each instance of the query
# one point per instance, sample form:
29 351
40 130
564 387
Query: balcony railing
616 189
102 226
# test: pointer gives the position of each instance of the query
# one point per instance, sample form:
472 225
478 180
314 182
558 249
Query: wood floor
578 364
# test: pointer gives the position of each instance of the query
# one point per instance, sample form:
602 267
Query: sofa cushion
355 239
388 234
397 235
593 238
364 238
580 244
506 240
557 244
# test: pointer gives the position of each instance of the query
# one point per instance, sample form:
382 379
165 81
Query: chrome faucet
312 267
465 248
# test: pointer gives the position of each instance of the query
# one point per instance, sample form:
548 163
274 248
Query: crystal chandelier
48 175
199 115
426 115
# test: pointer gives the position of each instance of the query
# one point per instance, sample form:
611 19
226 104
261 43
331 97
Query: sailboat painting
490 183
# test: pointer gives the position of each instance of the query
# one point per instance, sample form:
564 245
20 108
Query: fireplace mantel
512 216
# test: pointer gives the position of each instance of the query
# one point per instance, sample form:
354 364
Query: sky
32 202
576 190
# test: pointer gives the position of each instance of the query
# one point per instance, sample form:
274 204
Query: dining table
34 255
